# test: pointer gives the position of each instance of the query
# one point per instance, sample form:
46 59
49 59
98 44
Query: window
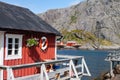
13 46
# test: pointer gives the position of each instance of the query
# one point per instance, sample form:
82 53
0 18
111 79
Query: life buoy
43 43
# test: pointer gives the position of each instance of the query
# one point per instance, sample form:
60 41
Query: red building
71 43
24 38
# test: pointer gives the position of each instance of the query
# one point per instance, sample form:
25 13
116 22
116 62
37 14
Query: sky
40 6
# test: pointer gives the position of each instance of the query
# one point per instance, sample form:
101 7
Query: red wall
32 55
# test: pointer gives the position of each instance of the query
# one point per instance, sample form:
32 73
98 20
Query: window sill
13 57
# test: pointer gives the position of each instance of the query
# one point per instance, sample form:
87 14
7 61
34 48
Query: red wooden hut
24 38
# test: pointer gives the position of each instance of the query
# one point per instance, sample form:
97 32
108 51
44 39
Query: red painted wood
32 55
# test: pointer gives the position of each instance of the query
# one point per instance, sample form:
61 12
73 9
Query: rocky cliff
100 17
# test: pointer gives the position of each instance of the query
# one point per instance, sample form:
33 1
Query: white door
1 52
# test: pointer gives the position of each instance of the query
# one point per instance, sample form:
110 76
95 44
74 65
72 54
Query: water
94 59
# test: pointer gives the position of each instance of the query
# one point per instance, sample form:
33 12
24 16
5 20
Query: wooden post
72 66
82 65
43 71
41 74
111 69
86 68
10 75
70 69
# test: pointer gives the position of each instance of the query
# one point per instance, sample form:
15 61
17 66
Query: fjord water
95 60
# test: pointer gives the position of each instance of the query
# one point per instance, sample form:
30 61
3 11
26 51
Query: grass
82 37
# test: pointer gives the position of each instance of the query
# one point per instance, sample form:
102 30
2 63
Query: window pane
9 52
10 40
9 46
13 46
16 46
16 52
16 40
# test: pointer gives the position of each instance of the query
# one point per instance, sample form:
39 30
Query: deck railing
70 67
112 57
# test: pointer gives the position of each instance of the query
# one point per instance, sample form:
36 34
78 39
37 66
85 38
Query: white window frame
13 56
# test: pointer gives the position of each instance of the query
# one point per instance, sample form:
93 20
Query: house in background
24 38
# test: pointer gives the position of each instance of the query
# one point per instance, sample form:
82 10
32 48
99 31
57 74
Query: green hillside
83 37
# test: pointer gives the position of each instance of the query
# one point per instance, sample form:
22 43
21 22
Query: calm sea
94 59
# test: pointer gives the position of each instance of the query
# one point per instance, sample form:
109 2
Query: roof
19 18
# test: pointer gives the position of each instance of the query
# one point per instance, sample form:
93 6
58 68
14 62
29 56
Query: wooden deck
113 57
70 71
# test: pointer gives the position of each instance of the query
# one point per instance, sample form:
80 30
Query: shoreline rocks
90 47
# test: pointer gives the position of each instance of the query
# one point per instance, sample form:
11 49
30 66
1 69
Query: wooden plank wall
31 55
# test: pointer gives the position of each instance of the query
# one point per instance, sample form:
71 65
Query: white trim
55 48
1 52
19 56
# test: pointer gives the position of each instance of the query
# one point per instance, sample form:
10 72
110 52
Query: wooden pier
114 59
70 67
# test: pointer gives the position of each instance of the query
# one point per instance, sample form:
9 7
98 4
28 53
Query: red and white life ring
43 43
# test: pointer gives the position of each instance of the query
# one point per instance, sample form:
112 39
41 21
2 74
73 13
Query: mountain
99 17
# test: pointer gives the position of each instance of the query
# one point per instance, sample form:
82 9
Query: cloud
75 2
